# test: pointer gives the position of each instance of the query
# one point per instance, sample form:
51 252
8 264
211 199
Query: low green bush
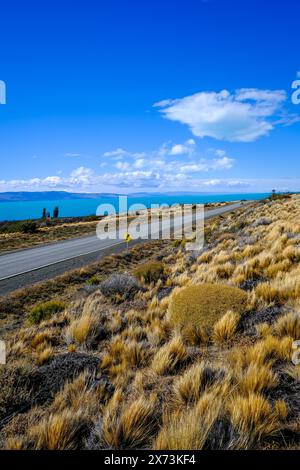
25 226
45 310
94 280
150 272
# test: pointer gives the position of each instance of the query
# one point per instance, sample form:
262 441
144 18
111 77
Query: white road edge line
60 261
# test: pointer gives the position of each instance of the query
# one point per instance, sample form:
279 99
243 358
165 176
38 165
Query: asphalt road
24 267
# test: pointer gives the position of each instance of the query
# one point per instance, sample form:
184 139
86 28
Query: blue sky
149 95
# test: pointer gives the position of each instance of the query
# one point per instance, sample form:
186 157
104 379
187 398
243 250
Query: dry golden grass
82 328
122 356
288 325
190 371
44 356
60 431
225 329
189 387
256 378
170 357
131 426
263 330
182 430
253 418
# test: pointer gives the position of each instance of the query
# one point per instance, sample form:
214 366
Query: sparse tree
55 212
44 213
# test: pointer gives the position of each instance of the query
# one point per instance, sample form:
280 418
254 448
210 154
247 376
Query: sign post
127 238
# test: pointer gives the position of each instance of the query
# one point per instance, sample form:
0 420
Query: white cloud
226 183
242 116
119 152
69 154
122 166
224 163
81 175
183 149
168 166
139 163
148 180
220 153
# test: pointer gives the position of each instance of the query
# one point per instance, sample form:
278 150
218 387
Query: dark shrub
15 389
119 287
29 226
26 226
48 379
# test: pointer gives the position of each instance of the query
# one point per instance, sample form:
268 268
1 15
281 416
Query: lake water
80 207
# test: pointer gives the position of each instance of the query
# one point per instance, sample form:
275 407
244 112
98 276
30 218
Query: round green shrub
150 272
45 310
201 306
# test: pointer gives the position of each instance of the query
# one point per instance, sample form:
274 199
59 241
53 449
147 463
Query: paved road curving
24 267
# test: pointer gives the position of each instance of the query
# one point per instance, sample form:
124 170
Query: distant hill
49 196
65 195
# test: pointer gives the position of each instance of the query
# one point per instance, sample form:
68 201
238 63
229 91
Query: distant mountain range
64 195
49 196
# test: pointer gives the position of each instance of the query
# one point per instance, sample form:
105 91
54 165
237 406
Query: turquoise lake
80 207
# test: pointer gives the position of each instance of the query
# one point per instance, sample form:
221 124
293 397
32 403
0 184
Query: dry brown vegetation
53 233
199 358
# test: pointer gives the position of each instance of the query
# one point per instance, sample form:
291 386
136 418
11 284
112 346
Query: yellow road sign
127 237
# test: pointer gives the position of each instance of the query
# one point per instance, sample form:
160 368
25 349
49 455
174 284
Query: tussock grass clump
189 387
190 428
122 355
130 426
44 356
257 378
60 431
282 266
203 305
288 325
150 272
82 393
253 418
40 338
279 290
83 328
225 329
170 358
269 349
45 310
